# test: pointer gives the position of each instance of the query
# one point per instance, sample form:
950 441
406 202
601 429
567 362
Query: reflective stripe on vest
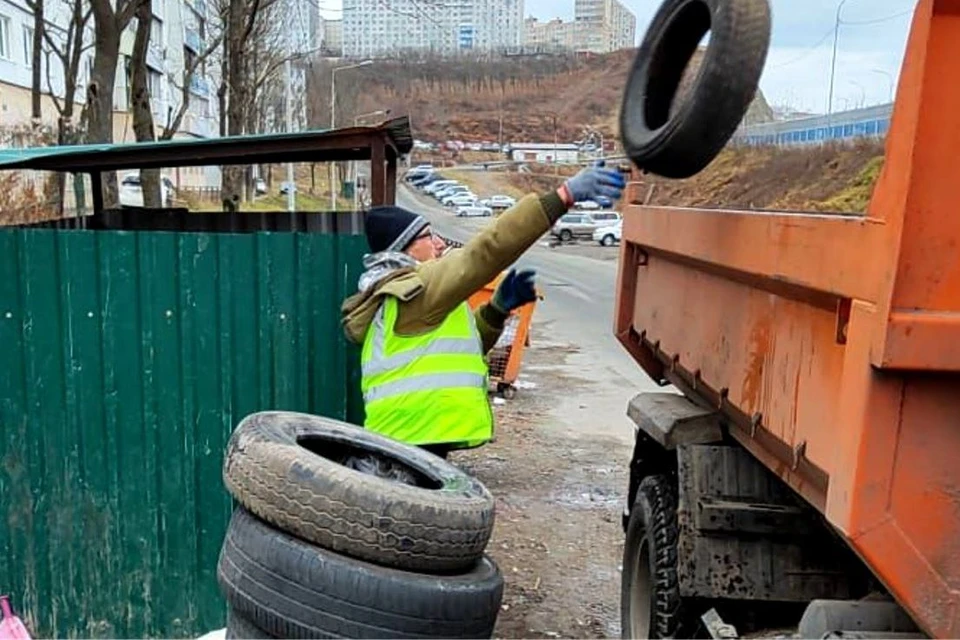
429 388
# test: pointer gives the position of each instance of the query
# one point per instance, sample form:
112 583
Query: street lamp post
353 164
833 63
889 79
863 94
333 121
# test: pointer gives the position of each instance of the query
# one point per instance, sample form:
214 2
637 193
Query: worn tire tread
292 589
654 515
352 513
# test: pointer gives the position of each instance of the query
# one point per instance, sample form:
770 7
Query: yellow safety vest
430 388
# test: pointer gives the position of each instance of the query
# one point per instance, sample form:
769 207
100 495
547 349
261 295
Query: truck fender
663 422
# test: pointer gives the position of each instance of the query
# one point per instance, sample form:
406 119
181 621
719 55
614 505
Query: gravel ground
559 487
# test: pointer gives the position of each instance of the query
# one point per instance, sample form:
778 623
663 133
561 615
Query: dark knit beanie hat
391 228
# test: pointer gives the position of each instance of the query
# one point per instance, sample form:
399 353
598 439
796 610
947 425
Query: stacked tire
343 533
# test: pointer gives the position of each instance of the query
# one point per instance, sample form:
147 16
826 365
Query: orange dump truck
809 469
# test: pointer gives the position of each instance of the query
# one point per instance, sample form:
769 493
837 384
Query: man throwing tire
424 376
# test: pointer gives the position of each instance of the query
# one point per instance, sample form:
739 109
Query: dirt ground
557 539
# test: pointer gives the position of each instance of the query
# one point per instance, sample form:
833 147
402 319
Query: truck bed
831 344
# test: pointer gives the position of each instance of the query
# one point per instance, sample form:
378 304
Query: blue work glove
515 290
596 181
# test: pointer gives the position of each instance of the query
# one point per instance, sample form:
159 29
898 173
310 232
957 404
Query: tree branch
251 20
173 125
53 94
126 12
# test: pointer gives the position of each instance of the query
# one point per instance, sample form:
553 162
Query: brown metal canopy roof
355 143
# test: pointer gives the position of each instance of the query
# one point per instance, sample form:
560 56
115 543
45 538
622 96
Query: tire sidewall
716 103
635 131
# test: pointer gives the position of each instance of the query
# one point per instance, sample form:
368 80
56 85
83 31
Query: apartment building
604 25
179 32
332 43
374 28
553 35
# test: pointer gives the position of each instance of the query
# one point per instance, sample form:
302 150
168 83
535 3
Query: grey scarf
379 265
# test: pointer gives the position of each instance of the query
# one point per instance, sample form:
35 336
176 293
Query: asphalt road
577 313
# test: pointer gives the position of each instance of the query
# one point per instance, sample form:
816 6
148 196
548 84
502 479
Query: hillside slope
464 99
837 179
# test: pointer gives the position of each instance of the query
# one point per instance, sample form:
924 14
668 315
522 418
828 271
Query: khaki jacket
431 290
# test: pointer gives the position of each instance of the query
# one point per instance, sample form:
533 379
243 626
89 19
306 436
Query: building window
27 45
153 83
4 37
156 32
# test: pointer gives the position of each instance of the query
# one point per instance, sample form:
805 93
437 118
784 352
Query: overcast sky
798 68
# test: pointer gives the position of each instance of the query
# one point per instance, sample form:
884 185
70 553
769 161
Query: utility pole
288 102
333 121
833 63
556 147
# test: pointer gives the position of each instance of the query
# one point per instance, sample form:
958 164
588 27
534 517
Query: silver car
574 225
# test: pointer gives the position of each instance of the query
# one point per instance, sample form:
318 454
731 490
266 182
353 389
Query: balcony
191 40
199 6
199 86
155 58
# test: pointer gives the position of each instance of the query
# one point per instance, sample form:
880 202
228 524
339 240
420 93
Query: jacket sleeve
450 280
490 324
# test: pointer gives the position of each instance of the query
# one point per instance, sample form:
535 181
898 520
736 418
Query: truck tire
291 589
239 628
650 602
288 469
679 140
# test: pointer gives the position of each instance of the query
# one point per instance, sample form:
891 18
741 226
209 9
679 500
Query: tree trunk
36 107
100 93
231 191
143 127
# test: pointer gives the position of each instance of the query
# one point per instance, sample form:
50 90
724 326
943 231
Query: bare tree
175 116
36 61
110 18
143 127
67 47
254 54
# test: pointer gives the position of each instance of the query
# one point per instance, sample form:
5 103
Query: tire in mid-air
674 135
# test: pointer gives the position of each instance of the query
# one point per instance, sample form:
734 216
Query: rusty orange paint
837 336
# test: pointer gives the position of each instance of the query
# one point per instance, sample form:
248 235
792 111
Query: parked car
460 200
447 189
416 174
499 202
586 205
474 211
608 236
605 218
131 193
574 225
436 185
260 186
423 181
603 201
451 191
286 186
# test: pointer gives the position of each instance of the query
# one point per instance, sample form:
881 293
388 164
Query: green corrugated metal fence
127 358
